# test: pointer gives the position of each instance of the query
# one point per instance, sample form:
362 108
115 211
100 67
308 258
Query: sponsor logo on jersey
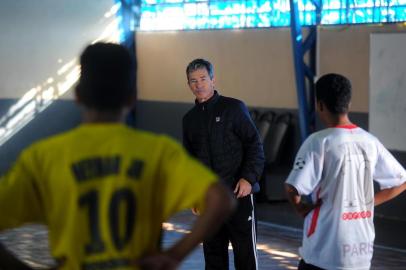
356 215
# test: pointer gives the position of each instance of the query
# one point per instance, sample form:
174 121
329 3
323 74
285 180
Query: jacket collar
208 104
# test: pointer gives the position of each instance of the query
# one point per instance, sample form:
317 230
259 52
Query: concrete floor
390 233
277 243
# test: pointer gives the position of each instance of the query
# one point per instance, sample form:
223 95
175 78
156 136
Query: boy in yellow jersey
103 188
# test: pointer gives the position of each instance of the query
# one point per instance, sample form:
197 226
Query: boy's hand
195 211
302 207
305 208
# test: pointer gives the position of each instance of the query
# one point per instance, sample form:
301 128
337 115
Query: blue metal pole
297 48
129 15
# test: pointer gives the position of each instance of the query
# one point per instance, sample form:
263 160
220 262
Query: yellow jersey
103 190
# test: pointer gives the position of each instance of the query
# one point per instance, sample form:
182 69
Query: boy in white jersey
103 188
336 167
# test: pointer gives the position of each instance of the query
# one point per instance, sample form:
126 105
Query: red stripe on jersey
315 217
349 126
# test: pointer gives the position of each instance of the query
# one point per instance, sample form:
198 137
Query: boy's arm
219 204
295 200
388 194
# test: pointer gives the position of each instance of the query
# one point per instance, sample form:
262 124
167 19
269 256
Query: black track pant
240 230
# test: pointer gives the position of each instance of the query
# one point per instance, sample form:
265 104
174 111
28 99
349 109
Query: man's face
201 85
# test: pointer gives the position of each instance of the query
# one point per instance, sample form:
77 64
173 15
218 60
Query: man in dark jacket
219 132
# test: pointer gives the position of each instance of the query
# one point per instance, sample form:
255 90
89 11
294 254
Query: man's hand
243 188
159 261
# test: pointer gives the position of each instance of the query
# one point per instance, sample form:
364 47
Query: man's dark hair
107 78
199 64
334 91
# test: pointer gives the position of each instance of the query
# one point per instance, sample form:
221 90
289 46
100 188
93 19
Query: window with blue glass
220 14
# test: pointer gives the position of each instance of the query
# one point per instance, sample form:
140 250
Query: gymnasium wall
254 65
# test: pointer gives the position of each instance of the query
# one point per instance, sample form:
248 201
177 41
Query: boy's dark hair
107 78
198 64
334 91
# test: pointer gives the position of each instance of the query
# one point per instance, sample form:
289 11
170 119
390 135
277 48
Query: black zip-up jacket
221 134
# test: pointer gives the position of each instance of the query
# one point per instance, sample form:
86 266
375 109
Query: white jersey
338 166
